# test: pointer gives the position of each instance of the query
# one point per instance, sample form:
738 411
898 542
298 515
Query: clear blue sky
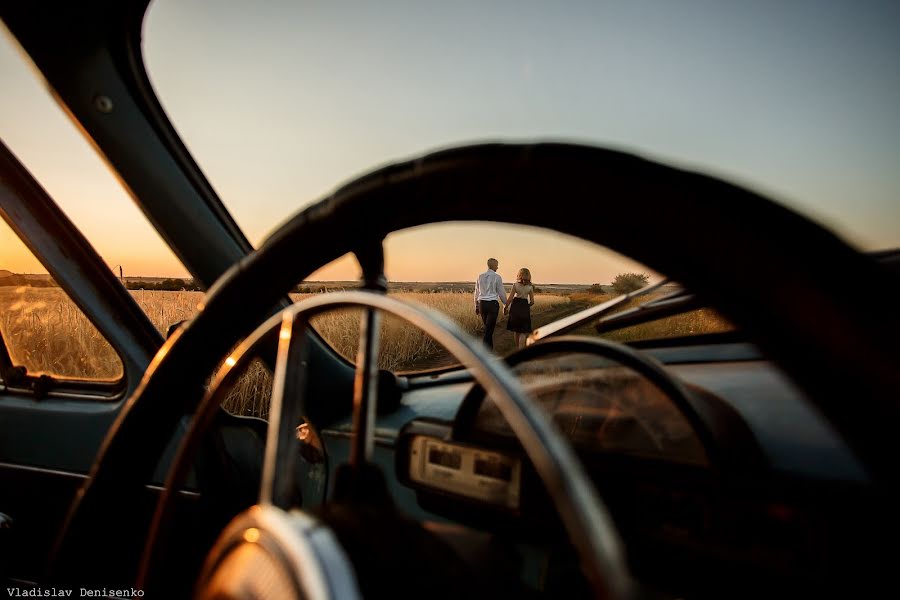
282 101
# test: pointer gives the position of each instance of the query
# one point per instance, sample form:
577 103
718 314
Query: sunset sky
281 102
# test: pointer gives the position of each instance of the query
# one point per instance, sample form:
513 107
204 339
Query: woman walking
518 305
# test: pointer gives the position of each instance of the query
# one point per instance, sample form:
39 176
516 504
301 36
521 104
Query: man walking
488 291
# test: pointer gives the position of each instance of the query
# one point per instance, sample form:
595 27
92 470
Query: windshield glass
282 102
530 289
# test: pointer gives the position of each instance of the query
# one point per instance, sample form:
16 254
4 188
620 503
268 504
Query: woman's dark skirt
519 316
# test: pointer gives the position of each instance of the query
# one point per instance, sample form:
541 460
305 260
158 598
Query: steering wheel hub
270 553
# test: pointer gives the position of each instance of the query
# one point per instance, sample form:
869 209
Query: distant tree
171 285
13 280
629 282
167 285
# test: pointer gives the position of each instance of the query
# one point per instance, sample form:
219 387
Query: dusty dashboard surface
601 406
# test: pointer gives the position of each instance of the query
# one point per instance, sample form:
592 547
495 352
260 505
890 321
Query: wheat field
690 323
404 347
47 333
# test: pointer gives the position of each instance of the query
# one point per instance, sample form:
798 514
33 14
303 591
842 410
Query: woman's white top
522 290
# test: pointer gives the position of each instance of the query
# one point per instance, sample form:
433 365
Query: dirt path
504 342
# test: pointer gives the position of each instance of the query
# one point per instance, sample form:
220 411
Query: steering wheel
717 239
587 522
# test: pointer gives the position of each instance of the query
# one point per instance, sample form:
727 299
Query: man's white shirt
489 286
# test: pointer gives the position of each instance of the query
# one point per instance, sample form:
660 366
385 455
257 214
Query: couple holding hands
489 291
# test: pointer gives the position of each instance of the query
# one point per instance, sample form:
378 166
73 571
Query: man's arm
512 293
501 291
476 295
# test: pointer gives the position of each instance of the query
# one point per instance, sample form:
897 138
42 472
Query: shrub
629 282
166 285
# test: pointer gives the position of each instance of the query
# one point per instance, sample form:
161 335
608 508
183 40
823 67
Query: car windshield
281 104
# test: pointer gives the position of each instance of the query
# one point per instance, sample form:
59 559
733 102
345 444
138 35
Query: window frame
83 277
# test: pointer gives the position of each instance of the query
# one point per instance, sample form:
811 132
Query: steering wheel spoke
370 256
286 411
365 388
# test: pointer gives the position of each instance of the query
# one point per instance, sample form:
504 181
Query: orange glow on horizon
459 252
432 253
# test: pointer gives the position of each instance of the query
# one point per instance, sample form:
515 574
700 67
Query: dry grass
403 347
166 308
47 333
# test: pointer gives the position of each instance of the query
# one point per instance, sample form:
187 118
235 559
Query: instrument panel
474 473
602 407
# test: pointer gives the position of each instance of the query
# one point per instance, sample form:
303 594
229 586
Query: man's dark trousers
489 311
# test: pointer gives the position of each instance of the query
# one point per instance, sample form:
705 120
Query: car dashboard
745 484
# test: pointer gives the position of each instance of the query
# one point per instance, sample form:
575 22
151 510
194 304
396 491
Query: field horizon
319 284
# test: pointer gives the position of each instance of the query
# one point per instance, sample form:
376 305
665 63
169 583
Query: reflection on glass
47 334
251 393
45 331
601 406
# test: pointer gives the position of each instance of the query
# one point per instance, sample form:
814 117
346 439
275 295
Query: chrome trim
185 493
380 440
593 312
299 543
285 413
42 471
365 388
28 393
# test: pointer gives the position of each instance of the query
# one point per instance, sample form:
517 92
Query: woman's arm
531 297
509 298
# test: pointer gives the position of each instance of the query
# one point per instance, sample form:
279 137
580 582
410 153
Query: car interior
747 463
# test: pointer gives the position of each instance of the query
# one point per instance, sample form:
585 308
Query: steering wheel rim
645 366
589 525
698 230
